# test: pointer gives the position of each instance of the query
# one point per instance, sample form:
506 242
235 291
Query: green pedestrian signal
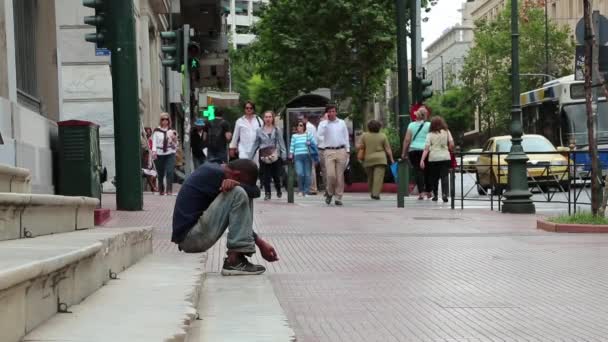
98 21
209 113
173 48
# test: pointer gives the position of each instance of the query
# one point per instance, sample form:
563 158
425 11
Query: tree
486 71
343 44
247 81
456 106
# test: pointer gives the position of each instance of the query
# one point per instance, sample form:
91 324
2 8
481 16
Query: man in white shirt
336 143
244 133
312 131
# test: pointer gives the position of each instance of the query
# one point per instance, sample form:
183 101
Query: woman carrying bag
269 140
413 147
373 153
439 143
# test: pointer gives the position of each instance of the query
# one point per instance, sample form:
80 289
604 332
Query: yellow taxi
544 169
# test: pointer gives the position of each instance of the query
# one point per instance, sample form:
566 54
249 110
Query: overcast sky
442 16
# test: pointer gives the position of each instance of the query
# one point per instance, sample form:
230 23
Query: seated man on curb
215 198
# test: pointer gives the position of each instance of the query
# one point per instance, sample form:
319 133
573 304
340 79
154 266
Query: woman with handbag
269 140
413 147
439 143
302 152
373 152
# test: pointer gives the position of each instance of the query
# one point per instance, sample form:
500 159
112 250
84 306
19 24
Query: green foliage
339 44
392 134
486 73
247 81
584 217
456 107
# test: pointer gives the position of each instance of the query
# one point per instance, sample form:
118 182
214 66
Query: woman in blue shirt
413 147
301 151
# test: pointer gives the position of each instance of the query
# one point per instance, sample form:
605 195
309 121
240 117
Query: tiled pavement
370 272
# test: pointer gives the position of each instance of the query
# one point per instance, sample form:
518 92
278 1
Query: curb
570 228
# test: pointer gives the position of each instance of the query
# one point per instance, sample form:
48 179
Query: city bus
558 112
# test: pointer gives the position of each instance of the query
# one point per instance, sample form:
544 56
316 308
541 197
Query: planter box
570 228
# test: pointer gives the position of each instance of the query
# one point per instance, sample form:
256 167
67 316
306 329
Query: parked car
544 170
469 161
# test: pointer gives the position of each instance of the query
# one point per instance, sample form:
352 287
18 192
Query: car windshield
530 144
577 123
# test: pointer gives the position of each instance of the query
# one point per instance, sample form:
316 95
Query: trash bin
80 170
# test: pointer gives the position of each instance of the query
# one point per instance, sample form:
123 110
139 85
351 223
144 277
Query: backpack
216 134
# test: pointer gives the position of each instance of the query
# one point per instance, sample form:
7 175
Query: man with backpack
218 137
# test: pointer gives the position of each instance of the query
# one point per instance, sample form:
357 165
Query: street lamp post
518 197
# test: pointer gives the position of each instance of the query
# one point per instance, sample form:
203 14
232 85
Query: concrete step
30 215
152 301
40 277
15 179
235 309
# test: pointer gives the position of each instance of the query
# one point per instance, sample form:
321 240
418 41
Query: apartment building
446 56
241 17
563 12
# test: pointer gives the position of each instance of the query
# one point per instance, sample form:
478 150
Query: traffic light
209 113
426 91
173 47
99 21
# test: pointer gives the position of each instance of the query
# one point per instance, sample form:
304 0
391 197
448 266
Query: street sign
102 52
603 36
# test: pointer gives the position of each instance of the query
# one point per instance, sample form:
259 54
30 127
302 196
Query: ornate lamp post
518 197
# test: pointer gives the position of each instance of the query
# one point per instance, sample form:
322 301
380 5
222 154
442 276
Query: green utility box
80 170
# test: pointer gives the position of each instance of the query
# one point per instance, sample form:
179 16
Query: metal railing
551 179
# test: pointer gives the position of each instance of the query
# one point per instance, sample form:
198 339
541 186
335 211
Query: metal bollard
403 183
290 180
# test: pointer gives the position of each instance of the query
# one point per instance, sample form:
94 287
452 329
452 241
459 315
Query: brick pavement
370 272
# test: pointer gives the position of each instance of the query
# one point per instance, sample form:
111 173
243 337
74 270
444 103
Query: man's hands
228 185
266 250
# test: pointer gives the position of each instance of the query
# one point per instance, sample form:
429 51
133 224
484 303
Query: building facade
563 12
446 55
241 17
30 88
86 81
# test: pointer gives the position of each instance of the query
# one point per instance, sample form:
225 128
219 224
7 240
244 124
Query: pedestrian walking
215 198
374 150
218 138
413 148
198 136
272 151
164 147
311 129
439 143
336 143
301 151
321 147
244 133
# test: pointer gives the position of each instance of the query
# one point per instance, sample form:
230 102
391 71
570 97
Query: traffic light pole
186 104
403 102
414 50
127 134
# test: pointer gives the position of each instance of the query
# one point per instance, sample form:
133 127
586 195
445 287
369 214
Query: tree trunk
589 44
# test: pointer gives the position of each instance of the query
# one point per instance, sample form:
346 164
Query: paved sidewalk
371 272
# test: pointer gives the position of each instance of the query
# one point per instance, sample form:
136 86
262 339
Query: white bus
558 111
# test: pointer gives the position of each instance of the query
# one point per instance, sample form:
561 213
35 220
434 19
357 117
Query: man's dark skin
234 178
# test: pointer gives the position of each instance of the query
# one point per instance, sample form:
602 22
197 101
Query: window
25 14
